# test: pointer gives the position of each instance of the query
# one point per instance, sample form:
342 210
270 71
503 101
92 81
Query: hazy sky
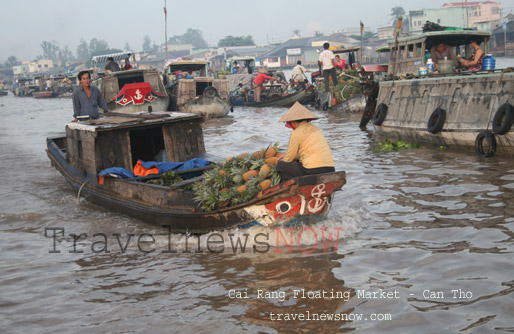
26 23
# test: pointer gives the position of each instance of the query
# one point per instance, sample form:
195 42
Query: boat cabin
246 64
111 85
120 141
189 79
408 54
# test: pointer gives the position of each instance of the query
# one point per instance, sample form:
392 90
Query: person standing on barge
87 98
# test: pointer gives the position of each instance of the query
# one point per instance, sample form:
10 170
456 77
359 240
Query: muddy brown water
422 241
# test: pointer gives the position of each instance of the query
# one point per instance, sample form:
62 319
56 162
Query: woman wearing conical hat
308 151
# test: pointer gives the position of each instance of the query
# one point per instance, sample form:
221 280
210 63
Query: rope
80 190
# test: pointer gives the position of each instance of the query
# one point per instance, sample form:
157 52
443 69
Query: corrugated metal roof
116 57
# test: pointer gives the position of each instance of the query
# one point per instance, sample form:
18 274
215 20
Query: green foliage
148 46
11 61
191 36
167 179
399 145
346 88
236 41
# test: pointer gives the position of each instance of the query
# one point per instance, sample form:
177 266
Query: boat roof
240 58
345 50
186 65
116 57
450 37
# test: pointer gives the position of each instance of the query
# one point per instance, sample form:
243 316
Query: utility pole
166 30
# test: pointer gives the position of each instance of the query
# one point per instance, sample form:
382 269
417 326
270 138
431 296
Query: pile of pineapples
238 179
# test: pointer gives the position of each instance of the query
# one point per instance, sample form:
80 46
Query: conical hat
263 70
298 112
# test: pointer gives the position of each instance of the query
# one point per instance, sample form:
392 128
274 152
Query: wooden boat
275 100
92 146
45 94
469 109
131 91
198 93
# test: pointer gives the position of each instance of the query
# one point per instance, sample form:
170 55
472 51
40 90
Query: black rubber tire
70 90
325 106
491 143
503 119
210 92
436 121
380 114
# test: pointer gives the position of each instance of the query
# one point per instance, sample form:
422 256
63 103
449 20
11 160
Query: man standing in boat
112 66
87 98
326 60
299 72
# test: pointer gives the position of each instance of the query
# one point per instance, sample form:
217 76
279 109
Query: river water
407 229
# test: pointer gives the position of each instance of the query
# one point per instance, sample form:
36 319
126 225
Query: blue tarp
121 172
163 167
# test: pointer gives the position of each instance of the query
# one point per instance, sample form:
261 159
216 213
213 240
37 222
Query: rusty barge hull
469 104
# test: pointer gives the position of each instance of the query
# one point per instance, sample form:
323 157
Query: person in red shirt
127 65
258 82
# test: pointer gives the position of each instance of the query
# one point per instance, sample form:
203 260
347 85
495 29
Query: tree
236 41
98 46
11 61
83 51
127 47
296 32
318 34
365 36
66 56
396 12
191 36
50 50
147 44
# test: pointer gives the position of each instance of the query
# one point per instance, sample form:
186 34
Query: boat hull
208 107
303 97
174 208
469 102
43 95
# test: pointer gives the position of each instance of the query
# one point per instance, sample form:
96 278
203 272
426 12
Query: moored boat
471 109
274 100
117 141
192 90
45 94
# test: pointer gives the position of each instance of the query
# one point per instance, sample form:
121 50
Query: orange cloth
139 170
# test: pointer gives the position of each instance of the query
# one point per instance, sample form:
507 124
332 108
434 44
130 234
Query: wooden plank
168 143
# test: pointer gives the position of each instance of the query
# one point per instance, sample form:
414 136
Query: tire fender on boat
210 92
436 120
503 119
488 136
380 114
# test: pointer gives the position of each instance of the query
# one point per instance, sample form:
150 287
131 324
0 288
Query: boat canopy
345 50
240 58
449 37
115 56
188 65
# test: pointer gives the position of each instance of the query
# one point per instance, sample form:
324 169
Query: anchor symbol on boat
138 95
